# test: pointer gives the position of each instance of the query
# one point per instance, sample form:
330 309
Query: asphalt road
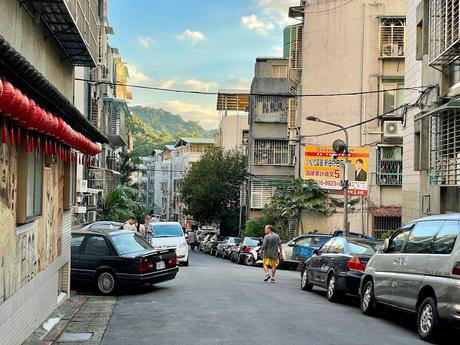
214 301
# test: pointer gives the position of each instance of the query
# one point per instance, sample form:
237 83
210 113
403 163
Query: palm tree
120 204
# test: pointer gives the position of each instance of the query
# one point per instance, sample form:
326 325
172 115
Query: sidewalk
79 320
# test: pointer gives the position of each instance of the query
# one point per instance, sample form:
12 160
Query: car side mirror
291 244
386 245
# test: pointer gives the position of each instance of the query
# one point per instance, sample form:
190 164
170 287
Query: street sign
323 165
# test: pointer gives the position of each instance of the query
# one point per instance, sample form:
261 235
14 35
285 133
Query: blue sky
201 45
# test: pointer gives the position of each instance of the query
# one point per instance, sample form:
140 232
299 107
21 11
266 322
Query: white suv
170 235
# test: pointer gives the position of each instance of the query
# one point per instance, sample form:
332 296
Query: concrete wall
231 131
341 54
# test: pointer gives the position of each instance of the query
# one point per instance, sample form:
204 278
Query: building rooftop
186 140
233 100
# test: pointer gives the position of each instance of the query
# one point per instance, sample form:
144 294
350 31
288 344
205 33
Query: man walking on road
271 250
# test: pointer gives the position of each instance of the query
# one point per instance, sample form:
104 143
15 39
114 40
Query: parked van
170 235
418 270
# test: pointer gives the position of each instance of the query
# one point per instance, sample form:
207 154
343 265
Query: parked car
211 246
103 224
301 248
204 241
222 248
418 270
338 233
170 235
111 258
338 266
248 251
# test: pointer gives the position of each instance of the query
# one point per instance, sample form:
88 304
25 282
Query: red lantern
13 108
27 116
22 109
7 97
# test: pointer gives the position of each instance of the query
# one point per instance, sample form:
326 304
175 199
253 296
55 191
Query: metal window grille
292 123
444 37
272 152
271 109
389 166
392 37
385 224
445 148
261 193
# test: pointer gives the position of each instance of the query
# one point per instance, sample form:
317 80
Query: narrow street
216 302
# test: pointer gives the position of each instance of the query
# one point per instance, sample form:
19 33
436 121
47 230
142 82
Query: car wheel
185 263
332 293
239 260
427 319
249 261
368 302
304 285
106 282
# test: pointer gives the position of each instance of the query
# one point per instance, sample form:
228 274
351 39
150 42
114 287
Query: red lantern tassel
18 137
12 136
4 133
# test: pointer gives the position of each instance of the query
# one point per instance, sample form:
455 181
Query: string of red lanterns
20 111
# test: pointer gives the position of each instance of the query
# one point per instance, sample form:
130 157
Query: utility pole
340 146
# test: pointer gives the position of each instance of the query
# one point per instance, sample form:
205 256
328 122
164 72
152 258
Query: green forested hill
153 128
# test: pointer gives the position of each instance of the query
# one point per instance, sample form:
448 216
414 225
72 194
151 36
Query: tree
127 167
211 189
291 198
120 204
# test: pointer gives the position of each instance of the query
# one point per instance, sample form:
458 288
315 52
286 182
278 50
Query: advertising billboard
320 166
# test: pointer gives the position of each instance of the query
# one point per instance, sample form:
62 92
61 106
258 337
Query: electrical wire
420 89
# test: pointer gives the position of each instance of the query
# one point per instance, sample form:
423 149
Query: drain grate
70 337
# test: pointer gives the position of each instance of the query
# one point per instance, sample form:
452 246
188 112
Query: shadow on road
79 288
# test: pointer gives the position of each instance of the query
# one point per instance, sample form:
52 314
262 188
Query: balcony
103 179
73 24
114 126
113 163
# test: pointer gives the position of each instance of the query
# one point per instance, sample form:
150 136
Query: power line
420 89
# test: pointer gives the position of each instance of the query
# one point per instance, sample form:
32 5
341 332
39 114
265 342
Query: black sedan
338 266
112 258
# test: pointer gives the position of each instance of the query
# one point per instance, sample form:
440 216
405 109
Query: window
326 246
338 247
271 109
421 238
272 152
446 238
391 97
443 31
389 166
363 248
30 185
397 243
261 193
392 37
96 245
279 71
76 242
130 243
245 139
383 224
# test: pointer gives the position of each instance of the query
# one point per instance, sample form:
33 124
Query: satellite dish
339 146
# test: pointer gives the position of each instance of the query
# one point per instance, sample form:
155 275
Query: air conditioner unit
392 130
91 217
390 50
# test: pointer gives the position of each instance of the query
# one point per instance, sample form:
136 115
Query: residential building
169 167
233 130
431 136
104 104
41 42
355 46
270 157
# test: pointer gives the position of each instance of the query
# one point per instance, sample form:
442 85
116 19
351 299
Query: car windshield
167 230
314 242
129 243
251 242
363 248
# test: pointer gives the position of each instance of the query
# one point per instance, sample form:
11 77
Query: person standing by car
192 240
148 229
130 224
271 249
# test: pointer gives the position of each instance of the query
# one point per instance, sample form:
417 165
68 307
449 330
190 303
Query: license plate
161 265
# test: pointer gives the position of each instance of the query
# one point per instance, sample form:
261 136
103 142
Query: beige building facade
356 46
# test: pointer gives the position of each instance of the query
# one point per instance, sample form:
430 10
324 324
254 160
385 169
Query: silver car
418 270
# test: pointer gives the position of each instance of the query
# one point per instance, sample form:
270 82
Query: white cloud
166 84
144 41
135 75
239 83
194 36
205 116
201 85
252 22
278 50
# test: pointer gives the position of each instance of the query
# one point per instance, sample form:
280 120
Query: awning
452 104
389 211
28 79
